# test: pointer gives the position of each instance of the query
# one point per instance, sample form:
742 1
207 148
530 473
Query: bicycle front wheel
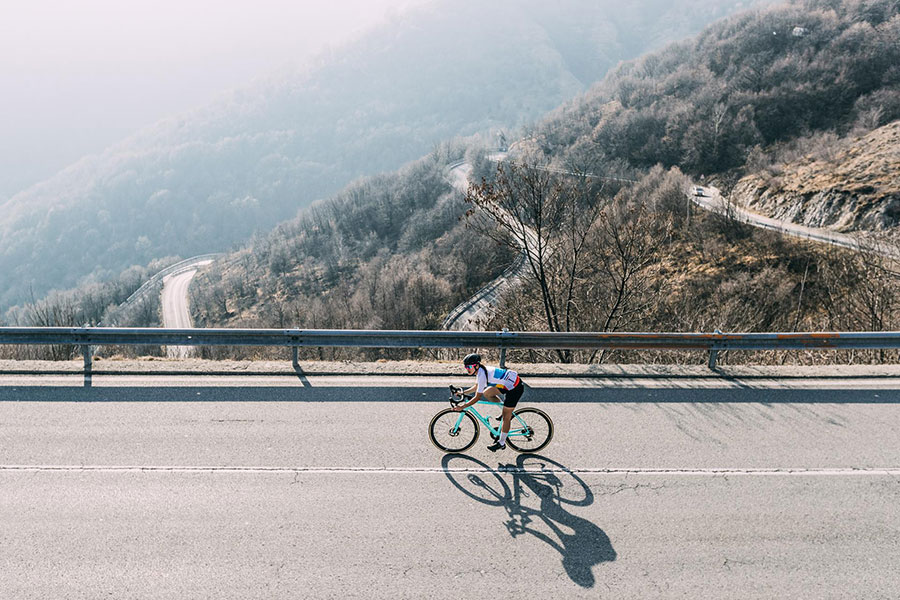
453 431
530 430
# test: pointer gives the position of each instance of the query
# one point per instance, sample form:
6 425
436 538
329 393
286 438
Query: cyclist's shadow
581 543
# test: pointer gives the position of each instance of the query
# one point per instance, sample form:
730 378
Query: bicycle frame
521 431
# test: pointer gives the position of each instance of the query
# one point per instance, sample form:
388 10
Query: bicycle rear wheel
530 430
453 431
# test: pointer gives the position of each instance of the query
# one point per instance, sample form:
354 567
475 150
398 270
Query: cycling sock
503 435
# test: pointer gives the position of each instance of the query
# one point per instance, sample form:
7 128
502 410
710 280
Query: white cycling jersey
502 378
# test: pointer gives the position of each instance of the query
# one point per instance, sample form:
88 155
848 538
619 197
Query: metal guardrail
502 340
157 278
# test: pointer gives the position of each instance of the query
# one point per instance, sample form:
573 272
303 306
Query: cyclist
490 382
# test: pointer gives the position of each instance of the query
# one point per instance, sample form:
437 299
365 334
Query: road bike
457 431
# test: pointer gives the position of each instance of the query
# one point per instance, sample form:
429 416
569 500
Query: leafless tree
864 290
583 254
533 209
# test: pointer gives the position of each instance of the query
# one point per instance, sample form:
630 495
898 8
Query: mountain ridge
205 180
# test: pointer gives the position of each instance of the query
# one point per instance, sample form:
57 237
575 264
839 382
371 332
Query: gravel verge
150 365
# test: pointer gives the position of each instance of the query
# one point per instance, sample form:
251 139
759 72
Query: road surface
327 487
176 312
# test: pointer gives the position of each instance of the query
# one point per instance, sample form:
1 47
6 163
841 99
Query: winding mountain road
466 315
175 303
176 312
712 201
469 315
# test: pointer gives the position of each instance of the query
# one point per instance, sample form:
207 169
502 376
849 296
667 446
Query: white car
699 191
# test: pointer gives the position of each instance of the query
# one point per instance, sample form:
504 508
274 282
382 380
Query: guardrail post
714 353
86 352
295 347
503 352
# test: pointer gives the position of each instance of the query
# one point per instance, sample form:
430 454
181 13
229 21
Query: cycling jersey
504 379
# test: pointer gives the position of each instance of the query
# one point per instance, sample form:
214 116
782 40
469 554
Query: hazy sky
79 75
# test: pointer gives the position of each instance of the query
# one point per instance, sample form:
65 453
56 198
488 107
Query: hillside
388 252
741 88
847 184
208 179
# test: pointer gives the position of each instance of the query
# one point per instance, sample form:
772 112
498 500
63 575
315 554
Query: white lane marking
711 472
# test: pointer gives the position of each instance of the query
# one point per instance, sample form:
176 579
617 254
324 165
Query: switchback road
321 487
468 316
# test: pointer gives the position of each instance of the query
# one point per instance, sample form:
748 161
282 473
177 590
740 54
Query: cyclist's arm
475 399
474 389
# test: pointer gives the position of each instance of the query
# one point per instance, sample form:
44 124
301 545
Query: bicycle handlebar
454 401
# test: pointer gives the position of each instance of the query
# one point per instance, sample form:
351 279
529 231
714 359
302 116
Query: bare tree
864 289
584 256
533 209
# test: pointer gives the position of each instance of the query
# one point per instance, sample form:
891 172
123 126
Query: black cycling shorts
511 397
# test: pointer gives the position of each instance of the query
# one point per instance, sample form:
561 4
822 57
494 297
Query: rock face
855 188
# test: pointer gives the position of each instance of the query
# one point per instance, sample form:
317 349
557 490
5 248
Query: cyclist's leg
509 404
507 419
492 394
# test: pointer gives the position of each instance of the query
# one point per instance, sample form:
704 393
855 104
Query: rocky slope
852 186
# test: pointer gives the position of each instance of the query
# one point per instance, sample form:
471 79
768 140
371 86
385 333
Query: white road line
711 472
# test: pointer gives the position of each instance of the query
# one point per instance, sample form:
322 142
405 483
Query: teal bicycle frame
522 430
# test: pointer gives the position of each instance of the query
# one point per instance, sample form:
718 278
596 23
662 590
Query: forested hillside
389 252
205 180
740 89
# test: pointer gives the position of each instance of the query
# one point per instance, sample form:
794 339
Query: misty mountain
207 179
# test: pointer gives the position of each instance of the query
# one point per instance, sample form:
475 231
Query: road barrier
156 280
713 343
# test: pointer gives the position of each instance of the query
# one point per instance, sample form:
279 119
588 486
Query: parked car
699 191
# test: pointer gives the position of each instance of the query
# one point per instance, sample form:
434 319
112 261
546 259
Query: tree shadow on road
537 480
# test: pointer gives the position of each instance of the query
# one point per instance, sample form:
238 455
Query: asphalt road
310 487
175 312
712 201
